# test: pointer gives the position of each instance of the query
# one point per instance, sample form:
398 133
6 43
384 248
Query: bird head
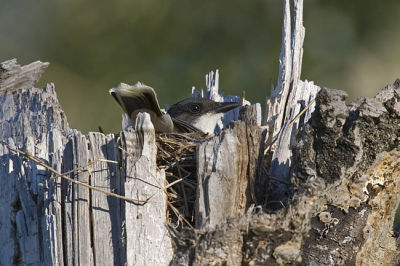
201 113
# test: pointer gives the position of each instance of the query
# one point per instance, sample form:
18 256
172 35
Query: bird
188 115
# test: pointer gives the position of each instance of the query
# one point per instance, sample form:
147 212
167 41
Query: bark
346 173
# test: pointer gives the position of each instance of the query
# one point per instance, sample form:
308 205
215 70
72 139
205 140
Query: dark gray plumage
200 113
188 115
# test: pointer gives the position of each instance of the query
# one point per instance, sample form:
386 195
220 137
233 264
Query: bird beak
226 106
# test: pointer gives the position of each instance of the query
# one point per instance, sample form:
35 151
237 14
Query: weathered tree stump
317 185
48 220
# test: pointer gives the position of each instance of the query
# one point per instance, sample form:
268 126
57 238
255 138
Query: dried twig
176 155
275 138
80 169
52 170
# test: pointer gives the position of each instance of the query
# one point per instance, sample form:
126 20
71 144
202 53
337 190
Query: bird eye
195 108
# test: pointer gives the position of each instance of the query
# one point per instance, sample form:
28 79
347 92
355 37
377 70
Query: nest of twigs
176 154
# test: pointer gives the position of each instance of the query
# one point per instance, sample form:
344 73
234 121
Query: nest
176 154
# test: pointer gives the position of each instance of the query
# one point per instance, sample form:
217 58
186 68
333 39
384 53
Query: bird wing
184 126
136 97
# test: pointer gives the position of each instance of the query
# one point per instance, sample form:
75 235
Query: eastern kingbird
188 115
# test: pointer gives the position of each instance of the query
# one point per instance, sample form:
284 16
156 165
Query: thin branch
52 170
302 112
80 169
275 138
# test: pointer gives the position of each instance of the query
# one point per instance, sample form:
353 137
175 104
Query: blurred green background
170 45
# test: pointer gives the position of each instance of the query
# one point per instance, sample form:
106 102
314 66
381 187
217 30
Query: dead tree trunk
319 184
48 220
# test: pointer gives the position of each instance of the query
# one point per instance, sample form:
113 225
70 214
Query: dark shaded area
329 234
117 214
345 135
176 154
258 244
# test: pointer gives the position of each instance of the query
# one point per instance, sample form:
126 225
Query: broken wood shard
14 77
147 239
227 168
288 99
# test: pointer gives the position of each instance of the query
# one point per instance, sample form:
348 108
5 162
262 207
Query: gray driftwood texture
49 221
318 187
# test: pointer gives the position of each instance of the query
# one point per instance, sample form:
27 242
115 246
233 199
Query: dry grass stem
35 159
176 155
